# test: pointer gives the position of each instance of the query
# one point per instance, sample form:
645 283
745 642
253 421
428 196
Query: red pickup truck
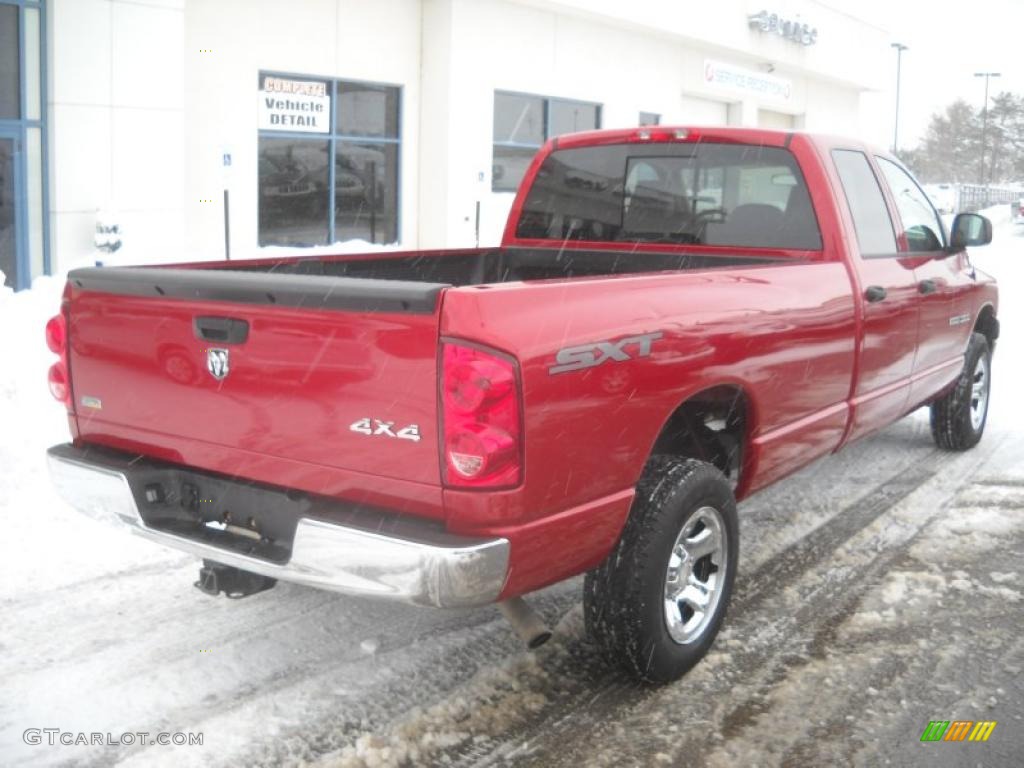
676 318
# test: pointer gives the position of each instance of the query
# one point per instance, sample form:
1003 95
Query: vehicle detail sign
302 106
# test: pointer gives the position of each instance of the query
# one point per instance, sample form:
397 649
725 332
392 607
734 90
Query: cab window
871 219
921 223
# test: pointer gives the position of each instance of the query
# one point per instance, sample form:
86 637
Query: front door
888 296
9 187
942 285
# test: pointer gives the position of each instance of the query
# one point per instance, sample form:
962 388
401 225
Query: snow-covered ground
878 590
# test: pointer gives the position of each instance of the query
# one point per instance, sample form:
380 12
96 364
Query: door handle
927 286
875 293
226 330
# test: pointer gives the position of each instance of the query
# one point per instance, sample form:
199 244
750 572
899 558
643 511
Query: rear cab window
701 194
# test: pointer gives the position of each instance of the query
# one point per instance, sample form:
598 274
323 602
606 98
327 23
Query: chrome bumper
437 569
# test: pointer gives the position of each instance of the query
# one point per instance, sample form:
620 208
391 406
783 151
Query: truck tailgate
330 371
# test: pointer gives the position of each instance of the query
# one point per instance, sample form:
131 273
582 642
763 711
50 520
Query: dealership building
198 129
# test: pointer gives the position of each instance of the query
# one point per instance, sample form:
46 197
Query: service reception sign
744 80
297 106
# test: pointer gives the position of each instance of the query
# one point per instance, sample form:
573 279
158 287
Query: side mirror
970 229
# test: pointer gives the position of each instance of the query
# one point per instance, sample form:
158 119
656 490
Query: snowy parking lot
879 589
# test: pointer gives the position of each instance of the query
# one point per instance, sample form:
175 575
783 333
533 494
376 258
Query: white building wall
116 125
148 95
628 58
348 39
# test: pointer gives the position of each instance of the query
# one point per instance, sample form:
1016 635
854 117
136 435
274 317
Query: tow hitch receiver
215 578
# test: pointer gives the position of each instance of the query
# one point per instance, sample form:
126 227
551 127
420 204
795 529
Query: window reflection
10 63
293 191
366 192
522 123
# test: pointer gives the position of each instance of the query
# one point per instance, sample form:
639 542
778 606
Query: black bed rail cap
352 294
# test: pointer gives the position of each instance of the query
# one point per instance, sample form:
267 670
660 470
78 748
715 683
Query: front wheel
658 600
958 417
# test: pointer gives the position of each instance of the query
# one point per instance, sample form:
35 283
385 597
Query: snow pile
28 414
35 557
346 247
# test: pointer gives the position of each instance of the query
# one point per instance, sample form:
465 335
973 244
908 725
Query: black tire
626 610
958 417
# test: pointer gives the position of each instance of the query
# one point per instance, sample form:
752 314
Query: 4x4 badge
385 428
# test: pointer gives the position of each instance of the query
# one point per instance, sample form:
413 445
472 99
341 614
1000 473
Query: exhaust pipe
527 624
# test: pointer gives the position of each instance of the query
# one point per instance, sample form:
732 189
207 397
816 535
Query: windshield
702 193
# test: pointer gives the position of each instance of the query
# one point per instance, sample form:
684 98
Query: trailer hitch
235 583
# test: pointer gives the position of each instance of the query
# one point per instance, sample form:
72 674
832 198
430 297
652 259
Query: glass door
9 163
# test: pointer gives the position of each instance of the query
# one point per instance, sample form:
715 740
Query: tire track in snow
769 647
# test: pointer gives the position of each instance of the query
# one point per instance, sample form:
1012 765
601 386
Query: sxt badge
595 353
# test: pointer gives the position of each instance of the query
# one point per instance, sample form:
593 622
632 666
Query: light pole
900 48
984 119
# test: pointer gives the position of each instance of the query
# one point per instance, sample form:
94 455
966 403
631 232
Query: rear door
888 296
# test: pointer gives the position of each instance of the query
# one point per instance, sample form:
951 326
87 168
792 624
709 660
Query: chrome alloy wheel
693 580
979 392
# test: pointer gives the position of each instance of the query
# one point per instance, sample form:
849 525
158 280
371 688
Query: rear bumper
372 555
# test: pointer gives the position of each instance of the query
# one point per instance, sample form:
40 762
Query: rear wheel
958 417
657 602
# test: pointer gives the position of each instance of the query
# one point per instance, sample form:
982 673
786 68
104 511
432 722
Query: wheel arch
988 325
712 425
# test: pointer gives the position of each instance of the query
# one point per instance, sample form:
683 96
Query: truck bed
314 346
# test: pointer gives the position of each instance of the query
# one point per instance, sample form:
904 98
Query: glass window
10 66
522 123
316 189
867 205
709 194
366 192
571 116
920 221
367 110
509 166
33 84
34 199
8 221
649 118
519 119
294 191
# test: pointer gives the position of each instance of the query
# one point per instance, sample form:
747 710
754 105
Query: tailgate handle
225 330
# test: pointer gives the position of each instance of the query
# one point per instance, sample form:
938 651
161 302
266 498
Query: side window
923 226
867 204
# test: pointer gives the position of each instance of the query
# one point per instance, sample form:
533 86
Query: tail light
57 341
58 380
481 440
56 334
